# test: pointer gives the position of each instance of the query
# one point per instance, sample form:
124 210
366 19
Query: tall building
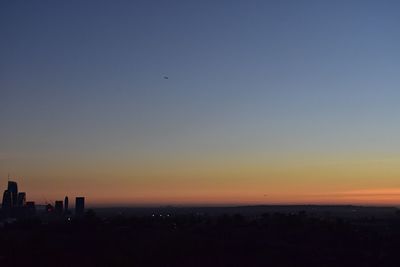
21 199
13 189
66 204
7 200
58 207
79 206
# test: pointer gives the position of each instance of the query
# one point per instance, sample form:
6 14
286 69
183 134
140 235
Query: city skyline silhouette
184 133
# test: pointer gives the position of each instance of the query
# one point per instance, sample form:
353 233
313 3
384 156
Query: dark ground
331 236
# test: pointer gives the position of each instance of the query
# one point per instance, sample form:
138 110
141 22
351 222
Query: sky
266 102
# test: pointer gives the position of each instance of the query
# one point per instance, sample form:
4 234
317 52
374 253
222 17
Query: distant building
30 207
58 207
13 189
79 206
21 199
7 200
49 208
66 204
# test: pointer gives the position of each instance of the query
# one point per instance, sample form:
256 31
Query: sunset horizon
201 103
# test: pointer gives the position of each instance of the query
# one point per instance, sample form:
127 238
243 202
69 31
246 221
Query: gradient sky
266 101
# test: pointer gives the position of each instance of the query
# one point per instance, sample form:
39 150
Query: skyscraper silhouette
13 189
21 199
79 206
7 200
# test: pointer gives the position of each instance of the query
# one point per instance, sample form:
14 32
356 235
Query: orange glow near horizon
222 182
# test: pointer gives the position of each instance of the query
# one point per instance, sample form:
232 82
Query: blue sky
82 82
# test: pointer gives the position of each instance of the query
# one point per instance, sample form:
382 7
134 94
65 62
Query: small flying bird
165 77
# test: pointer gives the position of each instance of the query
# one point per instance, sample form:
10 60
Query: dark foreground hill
268 239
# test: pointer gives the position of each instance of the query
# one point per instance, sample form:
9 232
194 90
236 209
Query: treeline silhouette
271 239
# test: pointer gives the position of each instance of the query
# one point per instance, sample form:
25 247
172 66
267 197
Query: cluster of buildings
15 204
